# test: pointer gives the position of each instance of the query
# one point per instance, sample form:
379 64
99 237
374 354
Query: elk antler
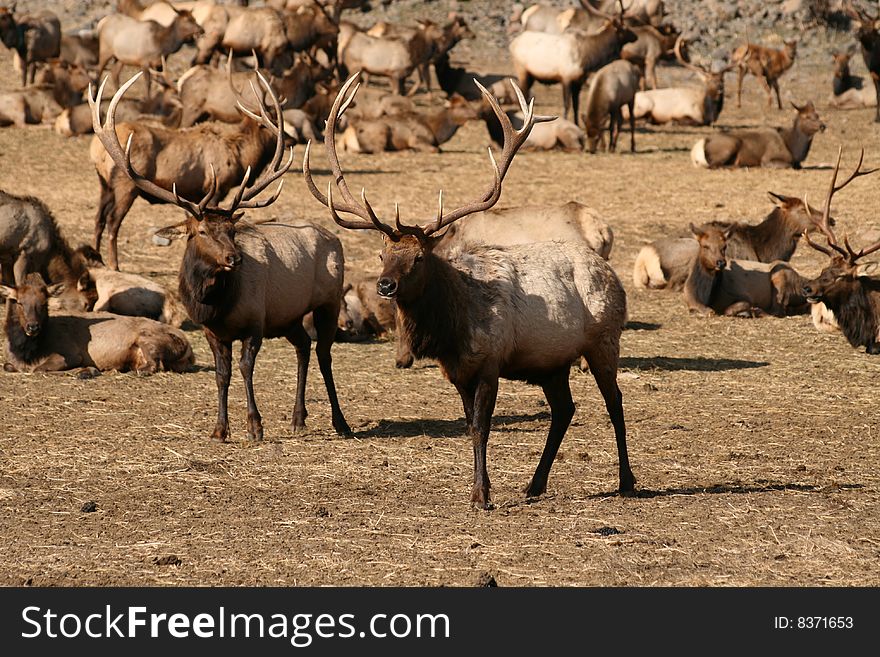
825 225
513 139
679 42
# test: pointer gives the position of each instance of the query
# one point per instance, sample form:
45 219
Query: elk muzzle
32 329
386 288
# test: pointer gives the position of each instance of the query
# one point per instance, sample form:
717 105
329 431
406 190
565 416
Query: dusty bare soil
754 442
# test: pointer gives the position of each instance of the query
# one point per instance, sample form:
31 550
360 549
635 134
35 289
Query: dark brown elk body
778 148
612 87
766 64
651 45
80 48
36 342
868 36
483 313
248 283
30 241
666 263
34 37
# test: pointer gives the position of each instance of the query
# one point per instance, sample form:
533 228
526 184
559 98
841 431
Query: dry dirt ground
754 442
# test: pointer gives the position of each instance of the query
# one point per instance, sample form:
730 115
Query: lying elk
719 285
567 58
666 263
693 105
30 241
521 312
141 44
185 156
766 64
38 342
458 80
868 35
766 147
34 37
241 282
559 134
611 88
58 87
852 297
849 91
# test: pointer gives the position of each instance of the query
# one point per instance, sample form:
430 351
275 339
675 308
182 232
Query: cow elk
651 45
523 312
852 297
766 64
568 58
767 147
248 283
38 342
34 38
849 91
611 88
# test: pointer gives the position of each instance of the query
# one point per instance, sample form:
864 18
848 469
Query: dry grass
754 441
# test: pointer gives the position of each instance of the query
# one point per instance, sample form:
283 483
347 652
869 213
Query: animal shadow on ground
441 428
729 488
642 326
698 364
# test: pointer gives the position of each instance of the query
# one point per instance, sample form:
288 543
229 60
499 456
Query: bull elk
852 297
767 147
868 36
520 312
233 273
766 64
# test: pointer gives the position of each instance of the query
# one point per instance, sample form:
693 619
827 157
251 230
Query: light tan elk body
650 46
766 64
259 29
58 86
666 263
644 12
80 48
520 312
141 44
767 147
567 58
34 37
692 105
848 90
36 342
164 13
556 20
246 282
611 88
557 134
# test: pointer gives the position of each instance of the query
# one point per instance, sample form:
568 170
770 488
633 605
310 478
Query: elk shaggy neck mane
701 286
19 346
207 291
857 313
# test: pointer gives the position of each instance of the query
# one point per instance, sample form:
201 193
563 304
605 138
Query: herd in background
462 292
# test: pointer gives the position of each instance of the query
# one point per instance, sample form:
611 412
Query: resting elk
559 134
766 64
848 90
34 37
248 283
38 342
767 147
567 58
851 296
520 312
868 36
693 105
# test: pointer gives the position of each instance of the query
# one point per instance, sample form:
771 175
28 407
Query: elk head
186 27
712 80
8 28
30 302
865 25
209 229
618 22
713 246
808 119
839 279
802 217
408 247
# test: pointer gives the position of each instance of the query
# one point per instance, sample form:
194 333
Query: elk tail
698 154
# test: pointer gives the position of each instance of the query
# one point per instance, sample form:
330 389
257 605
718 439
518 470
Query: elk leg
466 392
558 393
603 359
575 100
566 102
876 78
115 71
105 207
767 90
223 372
775 85
250 347
632 126
303 345
147 80
740 74
485 394
326 319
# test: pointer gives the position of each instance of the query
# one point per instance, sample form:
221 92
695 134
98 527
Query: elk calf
520 312
36 342
766 64
768 147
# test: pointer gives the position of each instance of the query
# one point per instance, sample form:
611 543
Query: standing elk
611 88
521 312
767 147
694 105
241 282
651 45
766 64
34 37
848 91
556 20
30 241
852 297
38 342
666 263
141 44
868 36
567 58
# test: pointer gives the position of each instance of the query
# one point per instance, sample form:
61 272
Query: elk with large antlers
520 312
851 296
868 35
247 283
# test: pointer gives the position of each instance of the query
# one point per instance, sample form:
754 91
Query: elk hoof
342 429
220 435
627 483
480 498
403 363
535 489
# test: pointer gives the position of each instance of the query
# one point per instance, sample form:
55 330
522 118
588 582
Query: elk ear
778 199
799 109
7 292
867 268
85 282
56 290
696 231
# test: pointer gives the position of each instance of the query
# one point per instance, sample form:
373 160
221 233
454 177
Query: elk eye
381 257
419 257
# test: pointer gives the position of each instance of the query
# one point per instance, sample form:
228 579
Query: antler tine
108 136
513 139
681 60
825 226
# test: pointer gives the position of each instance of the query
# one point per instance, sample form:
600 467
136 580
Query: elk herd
479 289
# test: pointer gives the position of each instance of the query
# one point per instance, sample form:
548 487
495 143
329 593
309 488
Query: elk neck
856 310
797 141
775 238
702 286
19 345
207 292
